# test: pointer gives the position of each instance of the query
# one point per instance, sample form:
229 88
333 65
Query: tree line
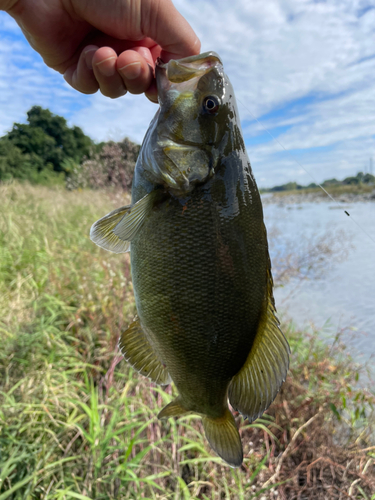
46 150
355 180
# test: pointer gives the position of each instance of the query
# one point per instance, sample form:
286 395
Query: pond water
342 295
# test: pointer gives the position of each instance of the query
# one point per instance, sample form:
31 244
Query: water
343 296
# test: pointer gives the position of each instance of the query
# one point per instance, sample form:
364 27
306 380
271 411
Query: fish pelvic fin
115 230
256 385
224 439
139 353
174 409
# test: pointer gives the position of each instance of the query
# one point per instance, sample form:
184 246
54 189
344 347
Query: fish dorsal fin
138 352
224 439
115 231
256 385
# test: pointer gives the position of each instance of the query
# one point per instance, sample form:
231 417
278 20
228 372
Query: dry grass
77 422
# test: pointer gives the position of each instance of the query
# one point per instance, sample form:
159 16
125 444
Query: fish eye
211 104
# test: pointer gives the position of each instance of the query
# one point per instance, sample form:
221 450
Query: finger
81 76
152 92
104 66
162 22
155 52
135 69
101 40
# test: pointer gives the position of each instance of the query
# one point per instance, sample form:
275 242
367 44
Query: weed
77 422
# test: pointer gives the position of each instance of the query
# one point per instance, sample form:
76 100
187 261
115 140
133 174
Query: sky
302 70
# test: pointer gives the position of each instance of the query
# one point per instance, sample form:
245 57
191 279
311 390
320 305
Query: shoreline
75 417
294 198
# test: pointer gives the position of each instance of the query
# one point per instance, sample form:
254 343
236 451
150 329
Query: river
341 295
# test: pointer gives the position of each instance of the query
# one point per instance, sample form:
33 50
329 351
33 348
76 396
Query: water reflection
335 280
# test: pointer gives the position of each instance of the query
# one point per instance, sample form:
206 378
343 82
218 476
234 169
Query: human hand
111 45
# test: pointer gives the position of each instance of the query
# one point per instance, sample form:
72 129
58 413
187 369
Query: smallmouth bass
199 257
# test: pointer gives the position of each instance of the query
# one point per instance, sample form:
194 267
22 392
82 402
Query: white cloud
290 50
105 119
26 81
276 53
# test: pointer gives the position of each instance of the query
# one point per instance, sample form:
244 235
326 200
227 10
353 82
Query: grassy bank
77 422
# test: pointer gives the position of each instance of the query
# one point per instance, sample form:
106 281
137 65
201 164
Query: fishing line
307 172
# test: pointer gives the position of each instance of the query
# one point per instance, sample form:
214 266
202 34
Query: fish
206 316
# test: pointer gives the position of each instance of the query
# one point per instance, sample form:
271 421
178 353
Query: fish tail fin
224 439
174 409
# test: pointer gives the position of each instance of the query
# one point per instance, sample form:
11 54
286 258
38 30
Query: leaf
71 494
16 487
335 411
258 469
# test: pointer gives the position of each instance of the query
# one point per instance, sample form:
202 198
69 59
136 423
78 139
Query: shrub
112 166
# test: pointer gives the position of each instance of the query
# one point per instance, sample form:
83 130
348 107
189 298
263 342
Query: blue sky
305 69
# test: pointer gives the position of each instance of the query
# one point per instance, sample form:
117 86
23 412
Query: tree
13 163
33 140
45 140
71 141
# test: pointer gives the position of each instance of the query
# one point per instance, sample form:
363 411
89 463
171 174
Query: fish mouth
179 71
182 70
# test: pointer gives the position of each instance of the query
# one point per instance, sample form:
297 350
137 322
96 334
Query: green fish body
199 257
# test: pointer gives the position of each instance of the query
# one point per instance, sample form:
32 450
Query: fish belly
200 274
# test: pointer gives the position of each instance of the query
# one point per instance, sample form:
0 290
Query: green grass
77 422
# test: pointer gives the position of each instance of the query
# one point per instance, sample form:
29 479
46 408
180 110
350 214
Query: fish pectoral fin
174 409
224 439
133 221
138 352
102 234
115 231
256 385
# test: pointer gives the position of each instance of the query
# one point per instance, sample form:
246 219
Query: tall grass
77 422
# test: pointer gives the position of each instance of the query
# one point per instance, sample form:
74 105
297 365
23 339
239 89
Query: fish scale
192 302
199 258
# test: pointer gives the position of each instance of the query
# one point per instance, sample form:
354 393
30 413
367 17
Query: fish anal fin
256 385
139 353
174 409
224 439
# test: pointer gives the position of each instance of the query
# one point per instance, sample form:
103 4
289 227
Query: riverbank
344 195
77 422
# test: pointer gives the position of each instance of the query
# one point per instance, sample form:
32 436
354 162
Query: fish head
189 132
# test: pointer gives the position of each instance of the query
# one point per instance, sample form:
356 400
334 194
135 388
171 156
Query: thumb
161 21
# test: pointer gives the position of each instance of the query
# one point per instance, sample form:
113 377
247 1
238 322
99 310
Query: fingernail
89 54
106 67
131 71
